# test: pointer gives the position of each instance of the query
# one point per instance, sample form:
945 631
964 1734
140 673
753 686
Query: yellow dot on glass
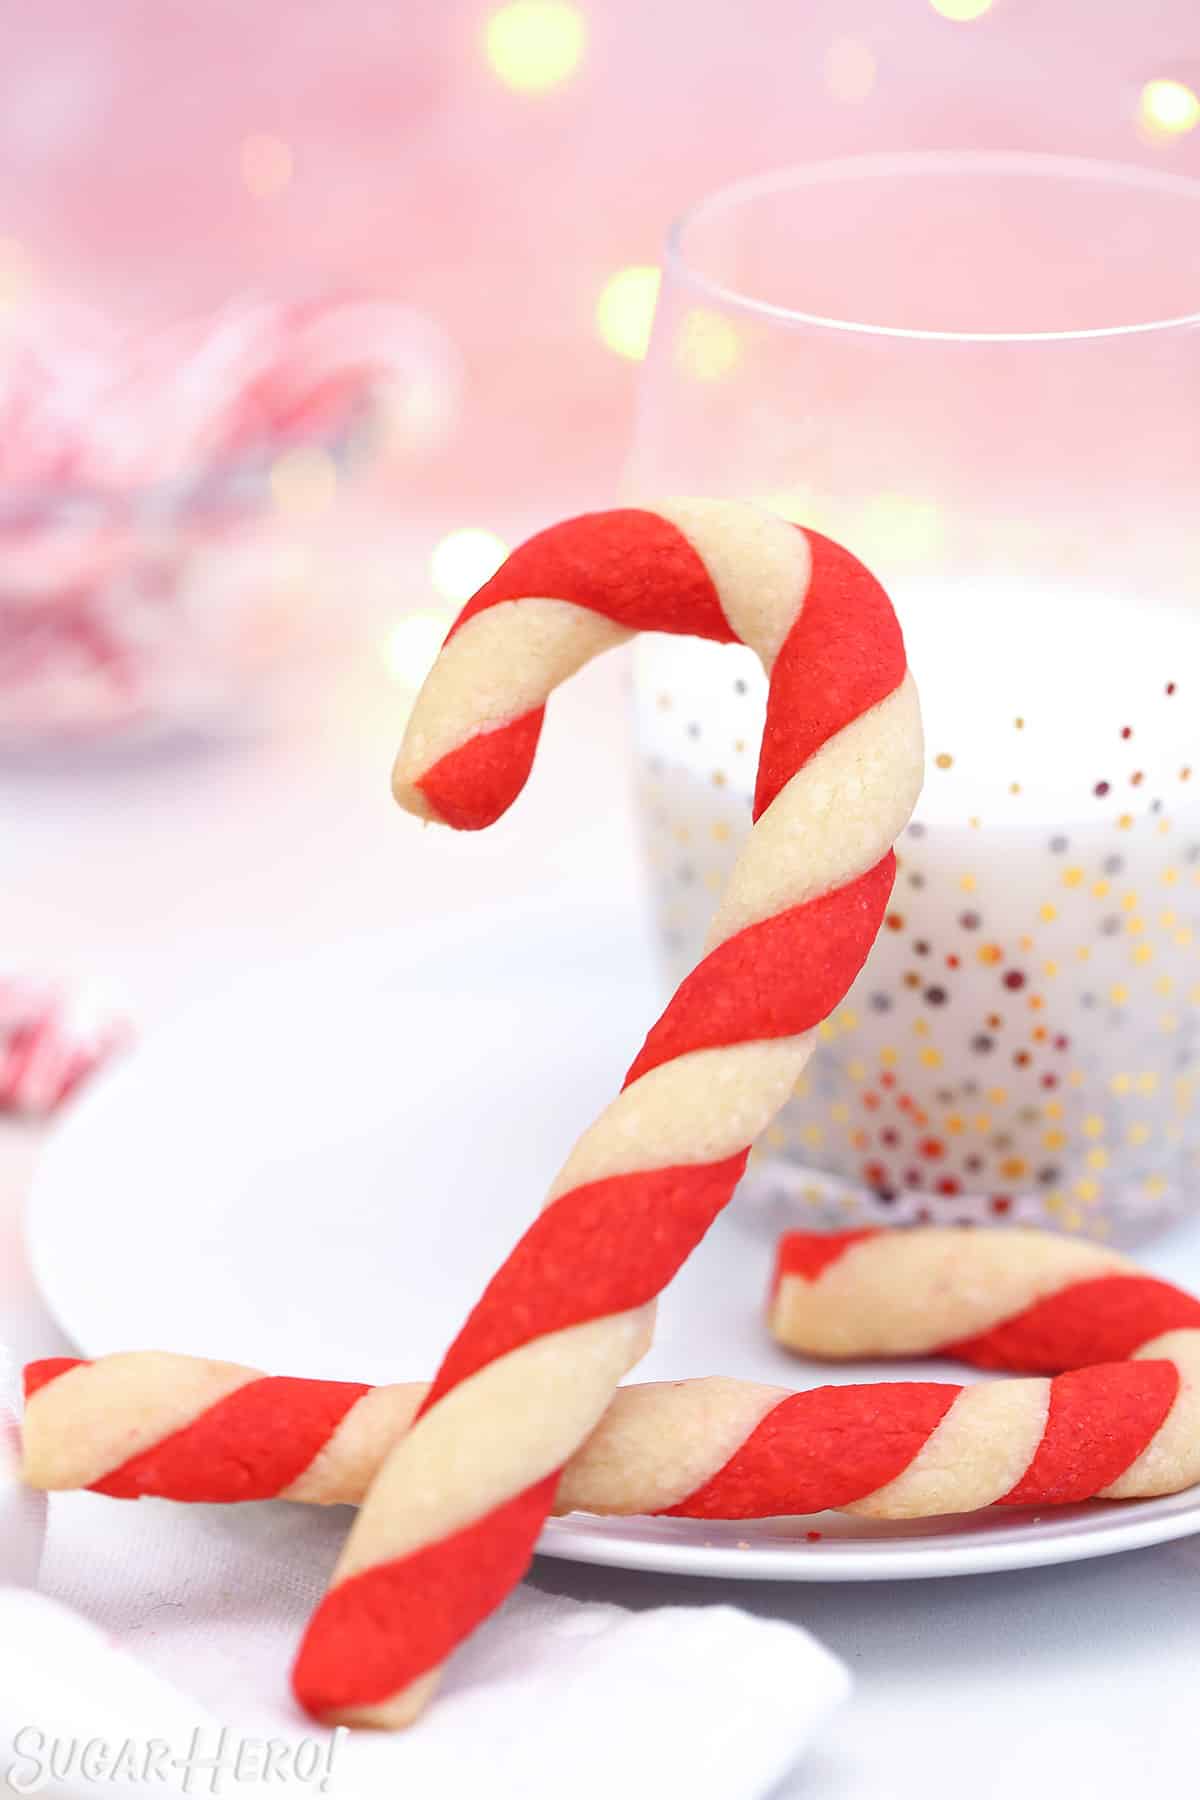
1137 1134
534 45
1014 787
1047 913
1146 1082
1083 953
848 68
857 1070
1019 724
847 1019
921 1028
1053 1109
982 1121
802 1088
931 1058
1155 1184
1135 926
1072 877
955 1123
1163 985
266 164
1143 953
1125 822
1075 1078
813 1136
967 883
775 1137
1183 938
888 1057
1121 1084
975 823
839 1112
709 346
1099 889
826 1030
1118 993
625 310
1087 1189
1169 107
997 1095
1013 1168
463 560
720 832
1093 1126
989 954
1129 902
1053 1140
1050 970
944 760
719 778
961 11
1168 918
1025 941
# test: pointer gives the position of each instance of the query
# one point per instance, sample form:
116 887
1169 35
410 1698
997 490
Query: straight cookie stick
185 1429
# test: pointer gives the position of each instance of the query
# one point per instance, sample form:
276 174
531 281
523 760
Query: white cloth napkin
180 1623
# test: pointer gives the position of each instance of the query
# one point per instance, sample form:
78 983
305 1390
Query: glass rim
915 162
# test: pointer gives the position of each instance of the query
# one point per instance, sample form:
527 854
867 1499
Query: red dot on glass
812 1537
932 1148
888 1080
871 1102
1001 1203
1062 1042
1022 1059
1170 687
1015 979
947 1184
1049 1081
1127 731
894 921
952 962
1101 788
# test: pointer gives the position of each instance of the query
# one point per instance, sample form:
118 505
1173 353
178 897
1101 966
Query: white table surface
164 875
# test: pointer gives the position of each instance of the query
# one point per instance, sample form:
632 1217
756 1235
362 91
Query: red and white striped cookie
186 1429
1123 1423
450 1523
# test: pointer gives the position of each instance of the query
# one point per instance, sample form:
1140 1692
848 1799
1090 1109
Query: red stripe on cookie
39 1374
809 1253
776 978
248 1446
1100 1420
843 655
602 1248
355 1652
627 565
1102 1320
469 788
821 1449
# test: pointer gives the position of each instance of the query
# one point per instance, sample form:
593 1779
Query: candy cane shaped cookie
450 1522
1024 1300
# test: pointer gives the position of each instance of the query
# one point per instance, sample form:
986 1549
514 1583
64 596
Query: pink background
419 175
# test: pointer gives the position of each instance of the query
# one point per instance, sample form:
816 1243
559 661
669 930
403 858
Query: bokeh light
709 346
1169 107
625 309
533 45
899 527
961 10
16 275
464 560
412 646
304 481
848 69
267 164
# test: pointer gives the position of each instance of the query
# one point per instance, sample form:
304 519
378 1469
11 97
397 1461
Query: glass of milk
982 374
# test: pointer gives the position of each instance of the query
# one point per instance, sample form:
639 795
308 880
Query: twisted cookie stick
1116 1429
450 1522
185 1429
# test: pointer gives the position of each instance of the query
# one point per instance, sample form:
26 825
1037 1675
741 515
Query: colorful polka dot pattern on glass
1023 1043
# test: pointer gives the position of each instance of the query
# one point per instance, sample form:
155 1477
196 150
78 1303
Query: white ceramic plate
316 1171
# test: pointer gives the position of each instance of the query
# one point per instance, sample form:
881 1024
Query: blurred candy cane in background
51 1039
154 488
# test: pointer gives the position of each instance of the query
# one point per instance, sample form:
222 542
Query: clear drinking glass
982 374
